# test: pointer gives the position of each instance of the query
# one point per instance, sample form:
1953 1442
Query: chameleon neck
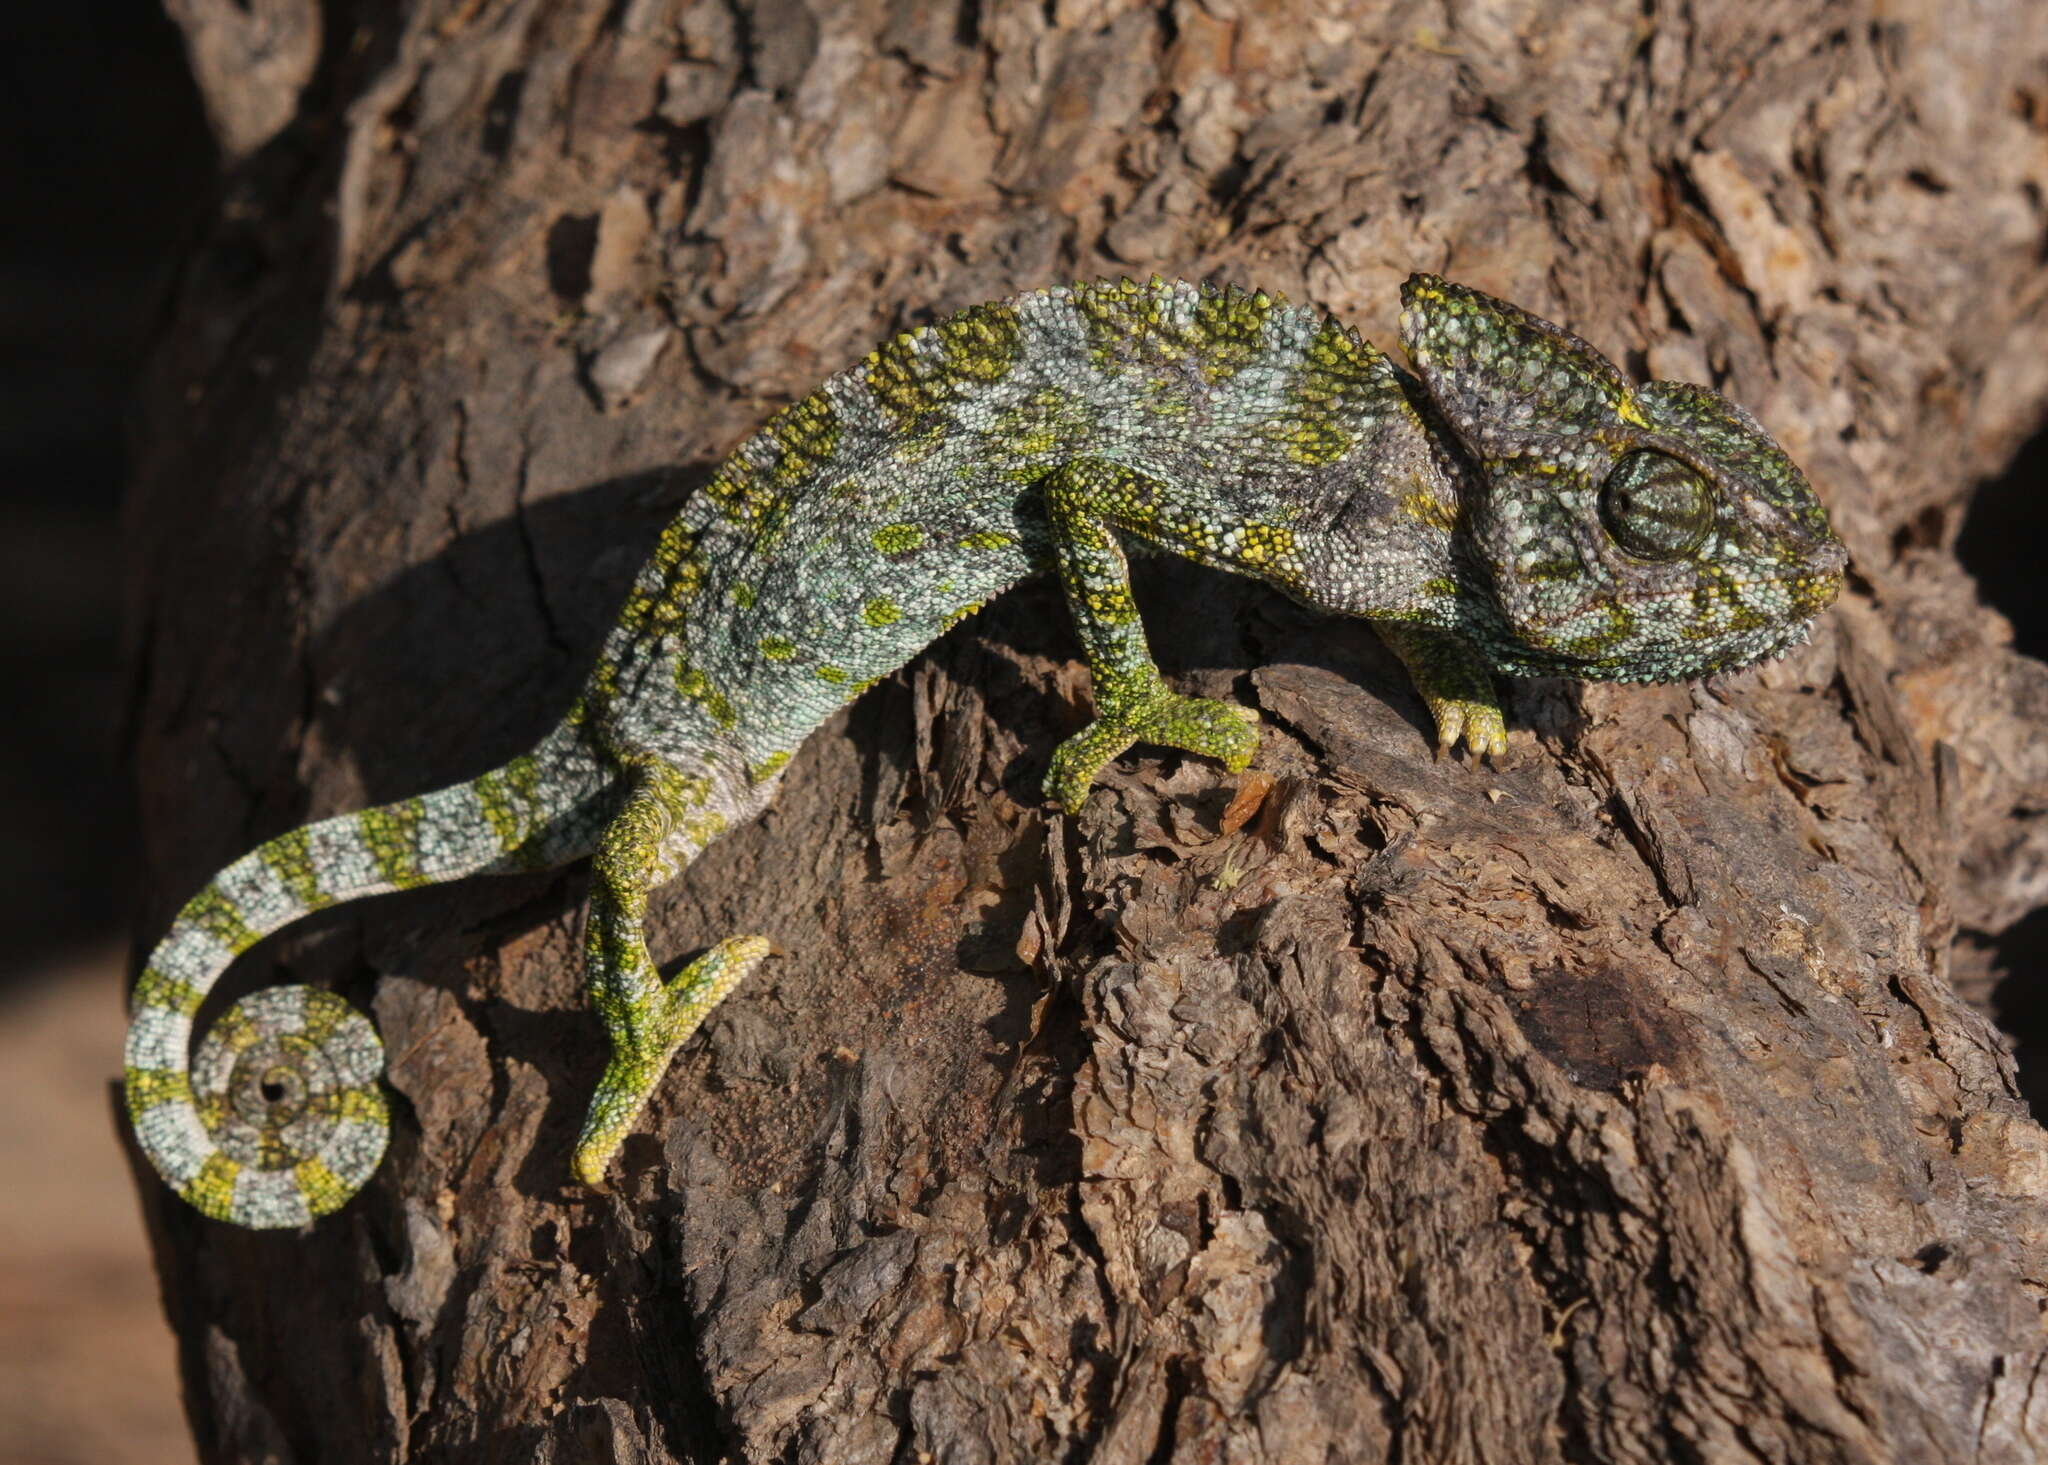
1386 526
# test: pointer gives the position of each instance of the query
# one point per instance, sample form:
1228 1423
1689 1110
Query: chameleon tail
280 1117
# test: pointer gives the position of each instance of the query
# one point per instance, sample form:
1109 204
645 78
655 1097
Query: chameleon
1510 504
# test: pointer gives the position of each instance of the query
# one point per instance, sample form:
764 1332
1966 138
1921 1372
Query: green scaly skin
1515 506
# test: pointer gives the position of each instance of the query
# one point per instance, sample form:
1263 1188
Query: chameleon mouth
1739 633
1814 592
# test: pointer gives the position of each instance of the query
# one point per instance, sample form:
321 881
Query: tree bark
1609 1103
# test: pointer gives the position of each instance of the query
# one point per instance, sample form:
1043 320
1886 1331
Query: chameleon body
1514 505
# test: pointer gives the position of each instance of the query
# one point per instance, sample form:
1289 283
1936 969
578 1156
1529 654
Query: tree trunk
1609 1103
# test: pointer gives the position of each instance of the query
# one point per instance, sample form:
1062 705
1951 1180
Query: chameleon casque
1514 506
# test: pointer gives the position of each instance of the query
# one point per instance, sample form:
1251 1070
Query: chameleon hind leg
1087 501
646 1018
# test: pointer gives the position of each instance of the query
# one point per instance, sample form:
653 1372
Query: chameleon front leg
1454 682
1084 499
646 1019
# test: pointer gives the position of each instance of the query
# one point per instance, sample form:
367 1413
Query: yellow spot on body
702 827
1315 443
321 1187
159 989
915 375
324 1012
1038 425
696 685
391 836
1231 326
1426 509
881 611
290 858
500 810
807 434
757 486
214 913
681 574
1263 545
898 538
235 1031
1590 646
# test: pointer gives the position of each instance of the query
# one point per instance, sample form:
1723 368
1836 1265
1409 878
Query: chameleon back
864 521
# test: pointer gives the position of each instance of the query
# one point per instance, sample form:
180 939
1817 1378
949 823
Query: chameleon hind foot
1219 730
1479 723
645 1036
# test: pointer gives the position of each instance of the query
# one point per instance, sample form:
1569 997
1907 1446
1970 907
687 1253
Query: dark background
106 166
2002 544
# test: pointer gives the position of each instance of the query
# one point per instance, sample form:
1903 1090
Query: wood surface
1613 1102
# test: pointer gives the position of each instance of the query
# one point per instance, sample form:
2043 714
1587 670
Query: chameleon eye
1655 507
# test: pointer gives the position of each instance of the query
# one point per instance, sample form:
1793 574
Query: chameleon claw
1455 685
1216 729
1450 726
1480 726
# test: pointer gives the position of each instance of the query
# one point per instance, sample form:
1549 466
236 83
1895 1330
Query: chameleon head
1630 533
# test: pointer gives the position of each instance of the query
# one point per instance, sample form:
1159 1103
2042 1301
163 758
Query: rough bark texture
1611 1103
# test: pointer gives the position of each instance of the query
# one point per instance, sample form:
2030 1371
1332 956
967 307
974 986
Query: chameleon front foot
645 1036
1479 723
1220 730
1455 685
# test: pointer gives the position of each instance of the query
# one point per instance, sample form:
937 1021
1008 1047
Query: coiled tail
281 1117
